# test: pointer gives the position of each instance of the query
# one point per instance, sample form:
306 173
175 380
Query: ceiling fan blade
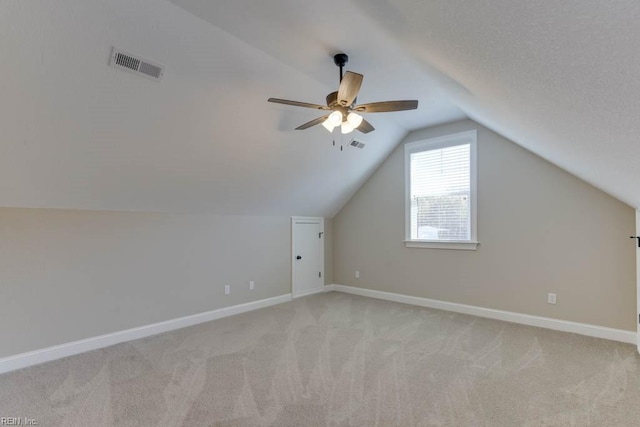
383 107
298 104
312 123
365 127
349 88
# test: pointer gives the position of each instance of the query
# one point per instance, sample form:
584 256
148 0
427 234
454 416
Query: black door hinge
320 235
319 274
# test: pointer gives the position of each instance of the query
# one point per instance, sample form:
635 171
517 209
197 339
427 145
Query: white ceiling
558 78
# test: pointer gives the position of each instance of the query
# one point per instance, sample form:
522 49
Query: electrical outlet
551 298
227 289
357 274
252 285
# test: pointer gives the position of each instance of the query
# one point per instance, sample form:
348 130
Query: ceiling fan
343 112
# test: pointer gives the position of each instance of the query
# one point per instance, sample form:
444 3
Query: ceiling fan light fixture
332 121
354 119
346 127
328 126
335 118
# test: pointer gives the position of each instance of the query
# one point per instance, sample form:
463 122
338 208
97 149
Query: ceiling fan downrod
341 60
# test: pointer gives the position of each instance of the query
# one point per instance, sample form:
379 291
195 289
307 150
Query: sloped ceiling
77 133
556 77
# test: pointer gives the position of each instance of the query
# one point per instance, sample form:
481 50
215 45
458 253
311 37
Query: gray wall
540 230
67 275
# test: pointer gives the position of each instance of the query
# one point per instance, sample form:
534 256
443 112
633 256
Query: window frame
468 137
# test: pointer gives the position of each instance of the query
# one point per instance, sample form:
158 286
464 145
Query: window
440 192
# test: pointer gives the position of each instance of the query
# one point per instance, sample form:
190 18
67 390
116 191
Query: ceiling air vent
357 144
134 64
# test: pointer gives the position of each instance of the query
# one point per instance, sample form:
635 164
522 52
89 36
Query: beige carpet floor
338 360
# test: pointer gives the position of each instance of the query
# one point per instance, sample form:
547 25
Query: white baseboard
612 334
310 292
36 357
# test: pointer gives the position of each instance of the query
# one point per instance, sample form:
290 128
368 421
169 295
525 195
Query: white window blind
440 193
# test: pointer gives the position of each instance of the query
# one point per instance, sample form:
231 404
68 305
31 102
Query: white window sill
440 244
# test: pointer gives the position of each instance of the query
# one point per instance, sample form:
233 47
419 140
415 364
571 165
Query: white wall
540 230
67 275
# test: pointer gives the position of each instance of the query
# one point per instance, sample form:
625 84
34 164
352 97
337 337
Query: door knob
298 257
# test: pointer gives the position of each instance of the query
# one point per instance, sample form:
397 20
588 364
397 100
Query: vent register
357 144
134 64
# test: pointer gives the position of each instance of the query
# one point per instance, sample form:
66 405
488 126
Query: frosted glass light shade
332 121
346 127
328 126
354 119
335 118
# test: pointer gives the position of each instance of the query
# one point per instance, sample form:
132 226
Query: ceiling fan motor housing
332 102
332 99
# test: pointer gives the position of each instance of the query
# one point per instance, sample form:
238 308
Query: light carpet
337 360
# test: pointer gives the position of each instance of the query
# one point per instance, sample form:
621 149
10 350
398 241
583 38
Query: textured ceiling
558 78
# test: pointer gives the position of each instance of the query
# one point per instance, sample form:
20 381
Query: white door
638 273
307 268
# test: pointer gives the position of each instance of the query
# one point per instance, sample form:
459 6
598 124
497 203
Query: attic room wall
540 229
68 274
328 251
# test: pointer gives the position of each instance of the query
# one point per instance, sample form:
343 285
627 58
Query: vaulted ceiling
558 78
